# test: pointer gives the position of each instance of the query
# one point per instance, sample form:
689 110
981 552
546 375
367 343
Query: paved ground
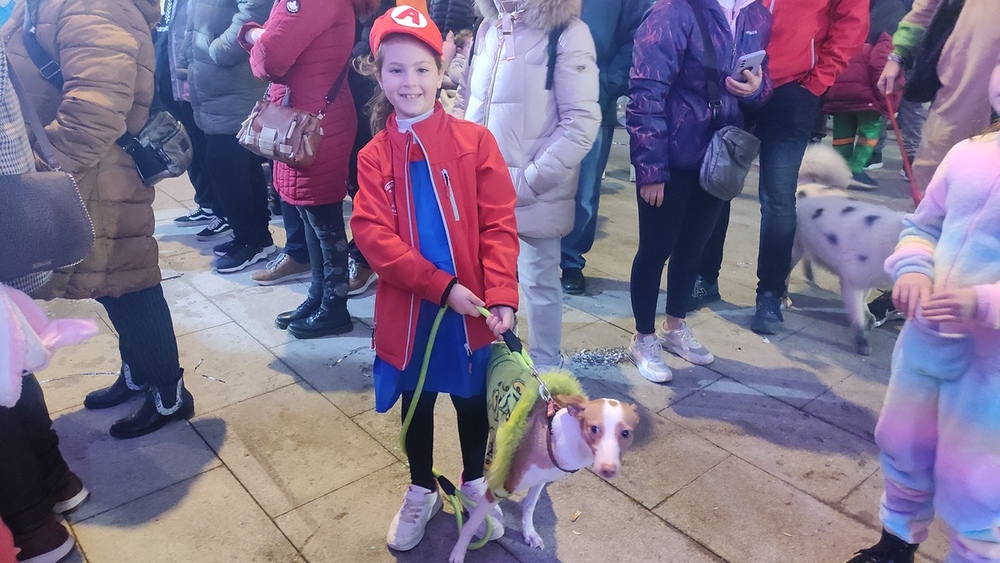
764 456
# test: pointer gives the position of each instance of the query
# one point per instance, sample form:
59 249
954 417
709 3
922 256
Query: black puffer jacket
453 15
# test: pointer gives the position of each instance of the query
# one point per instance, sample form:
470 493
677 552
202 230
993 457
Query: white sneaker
475 490
681 342
407 527
648 357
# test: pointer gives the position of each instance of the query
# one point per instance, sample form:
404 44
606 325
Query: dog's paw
861 345
457 557
532 538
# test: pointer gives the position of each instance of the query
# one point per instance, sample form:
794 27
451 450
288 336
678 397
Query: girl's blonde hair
378 107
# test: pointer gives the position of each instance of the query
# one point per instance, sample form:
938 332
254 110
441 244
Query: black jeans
676 230
240 189
783 125
204 191
473 433
31 468
295 233
146 337
327 243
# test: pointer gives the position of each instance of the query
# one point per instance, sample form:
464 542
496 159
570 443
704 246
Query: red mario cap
408 20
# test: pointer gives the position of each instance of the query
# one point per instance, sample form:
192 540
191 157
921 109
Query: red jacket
476 197
306 51
856 89
812 40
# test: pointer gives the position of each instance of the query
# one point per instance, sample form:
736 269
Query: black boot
303 311
323 322
120 391
889 549
162 405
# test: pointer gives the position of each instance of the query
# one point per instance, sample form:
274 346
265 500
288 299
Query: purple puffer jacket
668 118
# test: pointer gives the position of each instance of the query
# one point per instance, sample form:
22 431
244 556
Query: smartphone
750 61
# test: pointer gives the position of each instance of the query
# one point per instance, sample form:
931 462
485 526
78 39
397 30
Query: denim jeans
588 196
327 243
295 233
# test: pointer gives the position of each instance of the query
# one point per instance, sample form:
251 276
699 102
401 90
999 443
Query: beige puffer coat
543 134
107 60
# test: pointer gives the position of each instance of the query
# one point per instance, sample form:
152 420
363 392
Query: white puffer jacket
543 134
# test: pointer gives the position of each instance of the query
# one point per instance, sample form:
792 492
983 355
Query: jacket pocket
930 353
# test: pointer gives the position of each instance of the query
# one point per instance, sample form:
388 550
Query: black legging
677 230
473 431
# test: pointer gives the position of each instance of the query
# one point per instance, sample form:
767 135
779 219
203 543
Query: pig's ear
574 404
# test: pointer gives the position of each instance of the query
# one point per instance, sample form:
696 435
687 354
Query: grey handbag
45 224
732 150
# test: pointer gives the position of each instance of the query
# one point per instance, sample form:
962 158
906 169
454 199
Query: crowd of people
472 137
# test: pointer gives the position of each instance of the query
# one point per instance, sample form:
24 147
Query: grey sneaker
681 342
647 354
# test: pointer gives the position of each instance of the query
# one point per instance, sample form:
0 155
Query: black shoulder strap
554 35
711 62
50 69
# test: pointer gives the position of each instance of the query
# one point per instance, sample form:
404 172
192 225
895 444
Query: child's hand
910 292
501 320
463 301
952 306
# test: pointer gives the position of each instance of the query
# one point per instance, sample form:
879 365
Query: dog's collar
552 407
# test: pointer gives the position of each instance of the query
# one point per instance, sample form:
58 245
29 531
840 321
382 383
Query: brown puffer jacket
107 60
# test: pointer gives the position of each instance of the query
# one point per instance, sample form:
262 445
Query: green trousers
855 136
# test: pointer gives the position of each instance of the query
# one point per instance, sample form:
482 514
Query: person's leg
783 126
327 242
473 433
911 118
148 346
871 125
845 132
421 501
961 107
295 235
240 188
538 274
587 201
711 258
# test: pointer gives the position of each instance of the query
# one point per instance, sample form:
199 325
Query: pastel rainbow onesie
939 431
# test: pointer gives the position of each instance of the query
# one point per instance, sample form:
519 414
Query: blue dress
452 370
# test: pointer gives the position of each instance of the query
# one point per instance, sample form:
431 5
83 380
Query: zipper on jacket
488 100
409 222
812 53
451 192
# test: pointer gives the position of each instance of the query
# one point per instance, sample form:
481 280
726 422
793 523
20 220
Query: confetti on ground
575 516
213 378
198 365
600 357
349 354
766 341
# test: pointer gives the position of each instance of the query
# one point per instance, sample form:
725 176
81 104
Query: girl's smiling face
410 76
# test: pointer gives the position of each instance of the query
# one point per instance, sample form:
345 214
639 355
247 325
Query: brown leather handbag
285 134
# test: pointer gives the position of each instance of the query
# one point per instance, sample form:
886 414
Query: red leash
914 189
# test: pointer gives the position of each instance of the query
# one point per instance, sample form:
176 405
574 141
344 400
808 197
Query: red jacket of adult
812 40
305 49
856 89
476 197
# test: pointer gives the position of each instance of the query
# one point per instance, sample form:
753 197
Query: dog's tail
823 165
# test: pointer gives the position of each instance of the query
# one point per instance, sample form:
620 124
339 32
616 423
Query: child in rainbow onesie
939 431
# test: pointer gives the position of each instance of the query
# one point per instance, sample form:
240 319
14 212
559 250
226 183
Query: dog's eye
626 433
595 429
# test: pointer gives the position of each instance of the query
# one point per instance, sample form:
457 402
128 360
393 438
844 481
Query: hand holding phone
751 62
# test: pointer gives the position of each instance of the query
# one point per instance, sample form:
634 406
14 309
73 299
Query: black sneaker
573 281
704 293
883 310
767 319
889 549
217 229
875 162
224 248
200 216
242 256
862 181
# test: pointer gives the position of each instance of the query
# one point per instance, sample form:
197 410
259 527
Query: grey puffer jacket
222 87
543 134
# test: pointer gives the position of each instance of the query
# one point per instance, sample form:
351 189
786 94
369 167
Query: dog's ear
574 404
634 414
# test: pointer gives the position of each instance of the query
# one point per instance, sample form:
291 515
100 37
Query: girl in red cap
434 215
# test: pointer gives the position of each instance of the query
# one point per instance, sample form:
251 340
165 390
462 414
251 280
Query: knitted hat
408 20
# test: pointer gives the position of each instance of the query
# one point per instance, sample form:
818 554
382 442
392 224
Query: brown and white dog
583 433
849 238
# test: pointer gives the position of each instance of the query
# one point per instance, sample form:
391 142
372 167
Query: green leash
453 495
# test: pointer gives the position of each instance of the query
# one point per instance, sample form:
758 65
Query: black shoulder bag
732 150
